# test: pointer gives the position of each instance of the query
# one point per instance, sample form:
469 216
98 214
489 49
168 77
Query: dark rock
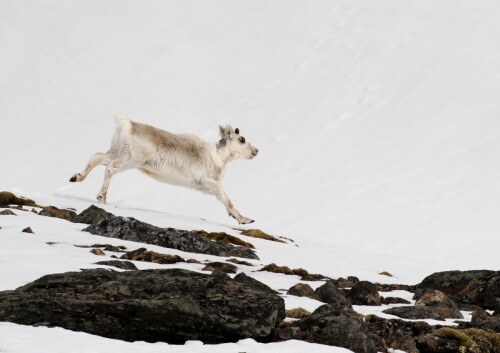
134 230
220 266
331 326
7 213
91 215
364 293
302 290
434 344
155 305
480 287
52 211
470 340
124 265
243 278
28 230
144 255
415 313
397 334
328 293
484 321
98 252
348 282
441 303
391 287
393 300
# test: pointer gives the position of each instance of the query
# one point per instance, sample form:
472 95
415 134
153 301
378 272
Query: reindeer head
237 146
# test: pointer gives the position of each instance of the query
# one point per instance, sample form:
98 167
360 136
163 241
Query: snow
377 125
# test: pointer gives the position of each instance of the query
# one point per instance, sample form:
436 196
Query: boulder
434 344
484 321
441 303
415 313
397 334
171 306
328 293
393 300
479 287
332 326
91 215
364 293
302 290
243 278
128 228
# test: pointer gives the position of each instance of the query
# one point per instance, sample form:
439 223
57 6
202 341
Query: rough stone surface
144 255
154 305
220 266
332 326
302 290
28 230
397 334
484 321
134 230
415 313
243 278
328 293
393 300
433 344
479 287
364 293
91 215
124 265
441 303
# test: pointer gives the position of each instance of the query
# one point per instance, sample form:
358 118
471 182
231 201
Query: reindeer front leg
215 189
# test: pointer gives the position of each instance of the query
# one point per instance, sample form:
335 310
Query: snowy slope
377 122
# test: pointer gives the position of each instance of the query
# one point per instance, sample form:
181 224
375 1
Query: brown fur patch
148 172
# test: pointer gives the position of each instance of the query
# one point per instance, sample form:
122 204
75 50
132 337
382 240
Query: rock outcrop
331 325
364 293
128 228
481 287
154 305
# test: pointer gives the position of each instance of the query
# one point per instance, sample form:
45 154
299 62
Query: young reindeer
178 159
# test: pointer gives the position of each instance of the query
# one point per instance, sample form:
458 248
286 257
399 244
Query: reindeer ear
222 131
237 131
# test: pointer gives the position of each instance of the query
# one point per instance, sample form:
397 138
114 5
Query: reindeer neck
224 154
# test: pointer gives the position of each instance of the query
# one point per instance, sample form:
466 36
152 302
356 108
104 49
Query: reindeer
178 159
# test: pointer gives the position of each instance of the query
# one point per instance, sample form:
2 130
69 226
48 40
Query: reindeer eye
242 139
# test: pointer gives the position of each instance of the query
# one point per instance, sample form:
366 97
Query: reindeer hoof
101 199
76 177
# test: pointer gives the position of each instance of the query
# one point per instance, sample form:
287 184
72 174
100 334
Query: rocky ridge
115 303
